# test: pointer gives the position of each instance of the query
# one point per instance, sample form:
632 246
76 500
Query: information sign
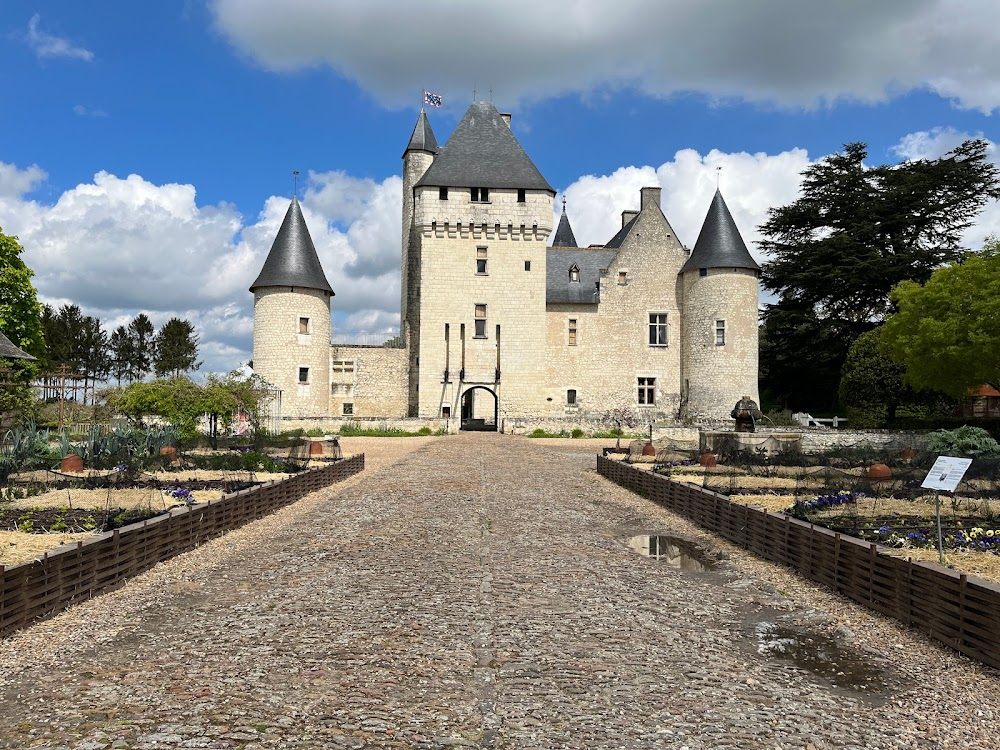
946 473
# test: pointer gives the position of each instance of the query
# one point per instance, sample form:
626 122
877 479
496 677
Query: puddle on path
819 654
674 551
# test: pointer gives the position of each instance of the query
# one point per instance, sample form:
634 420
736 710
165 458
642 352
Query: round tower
291 321
719 319
417 158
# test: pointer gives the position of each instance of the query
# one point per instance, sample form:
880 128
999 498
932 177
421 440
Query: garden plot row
961 611
43 587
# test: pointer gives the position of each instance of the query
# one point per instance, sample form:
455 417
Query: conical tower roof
9 351
423 137
293 260
719 244
564 232
483 152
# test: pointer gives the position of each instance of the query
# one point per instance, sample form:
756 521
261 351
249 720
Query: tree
871 383
21 322
143 351
947 331
122 353
856 232
176 348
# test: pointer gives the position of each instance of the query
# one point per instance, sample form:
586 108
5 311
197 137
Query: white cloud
83 111
48 45
787 52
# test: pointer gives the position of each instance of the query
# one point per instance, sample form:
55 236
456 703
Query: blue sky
146 149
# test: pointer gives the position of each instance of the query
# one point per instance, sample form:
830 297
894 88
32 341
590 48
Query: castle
498 325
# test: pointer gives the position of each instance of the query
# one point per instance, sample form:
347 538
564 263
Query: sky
147 148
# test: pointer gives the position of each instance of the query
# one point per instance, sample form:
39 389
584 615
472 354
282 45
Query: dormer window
574 273
480 195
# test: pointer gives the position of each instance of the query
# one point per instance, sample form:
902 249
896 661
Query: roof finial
295 183
474 93
718 176
564 204
491 93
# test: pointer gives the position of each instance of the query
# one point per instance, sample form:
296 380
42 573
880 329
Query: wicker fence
961 611
43 587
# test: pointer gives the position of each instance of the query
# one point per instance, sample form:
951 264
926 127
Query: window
480 195
348 409
304 325
480 322
647 391
527 265
703 272
481 261
574 273
443 194
572 332
343 365
571 397
657 329
521 197
622 278
720 333
303 375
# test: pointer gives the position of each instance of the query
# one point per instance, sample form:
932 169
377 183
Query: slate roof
293 260
9 351
558 287
564 232
483 152
719 244
616 241
423 137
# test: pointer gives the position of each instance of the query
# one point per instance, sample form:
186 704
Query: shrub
970 442
577 433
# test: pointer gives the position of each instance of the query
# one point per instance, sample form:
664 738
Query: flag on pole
433 99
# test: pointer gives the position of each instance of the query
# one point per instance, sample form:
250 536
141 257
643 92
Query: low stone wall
333 425
810 440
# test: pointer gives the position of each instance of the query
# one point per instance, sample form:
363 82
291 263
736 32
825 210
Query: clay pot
316 448
708 460
71 462
169 451
879 471
648 450
907 454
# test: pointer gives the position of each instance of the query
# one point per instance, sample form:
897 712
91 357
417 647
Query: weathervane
295 183
718 175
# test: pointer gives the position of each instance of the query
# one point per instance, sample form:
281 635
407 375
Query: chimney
505 116
627 216
649 195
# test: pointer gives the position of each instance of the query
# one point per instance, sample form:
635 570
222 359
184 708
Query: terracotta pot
708 460
879 471
169 451
316 448
648 450
71 462
907 454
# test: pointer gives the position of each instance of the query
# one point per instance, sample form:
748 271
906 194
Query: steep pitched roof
564 232
423 137
558 287
719 244
293 260
9 351
618 239
483 152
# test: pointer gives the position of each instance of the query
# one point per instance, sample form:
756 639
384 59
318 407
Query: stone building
497 324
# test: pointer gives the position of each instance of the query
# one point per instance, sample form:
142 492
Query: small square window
303 325
572 332
443 194
527 265
647 391
571 397
348 409
480 322
658 329
480 195
622 278
303 375
703 272
481 261
521 195
720 333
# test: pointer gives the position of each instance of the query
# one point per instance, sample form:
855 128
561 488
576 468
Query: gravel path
477 591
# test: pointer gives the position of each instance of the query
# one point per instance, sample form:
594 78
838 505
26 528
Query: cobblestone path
478 593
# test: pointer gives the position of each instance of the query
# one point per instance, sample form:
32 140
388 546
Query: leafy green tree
176 348
121 353
947 331
21 322
871 383
854 233
143 352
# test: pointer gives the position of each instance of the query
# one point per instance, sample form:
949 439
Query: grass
353 429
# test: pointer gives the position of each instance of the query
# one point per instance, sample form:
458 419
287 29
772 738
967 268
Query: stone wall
333 425
371 381
813 441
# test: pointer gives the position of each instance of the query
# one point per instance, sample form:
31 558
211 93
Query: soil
71 520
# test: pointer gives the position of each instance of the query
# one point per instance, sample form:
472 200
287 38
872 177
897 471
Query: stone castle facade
498 324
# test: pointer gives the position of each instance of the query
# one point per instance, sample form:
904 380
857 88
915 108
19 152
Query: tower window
443 194
348 409
480 322
304 325
303 375
622 278
571 397
521 195
720 333
481 261
703 272
571 340
480 195
658 329
647 391
527 265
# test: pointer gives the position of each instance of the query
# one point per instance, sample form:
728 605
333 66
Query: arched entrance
480 406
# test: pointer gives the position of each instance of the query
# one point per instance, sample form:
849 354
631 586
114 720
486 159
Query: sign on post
946 473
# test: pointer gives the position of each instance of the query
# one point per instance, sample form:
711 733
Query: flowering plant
184 495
